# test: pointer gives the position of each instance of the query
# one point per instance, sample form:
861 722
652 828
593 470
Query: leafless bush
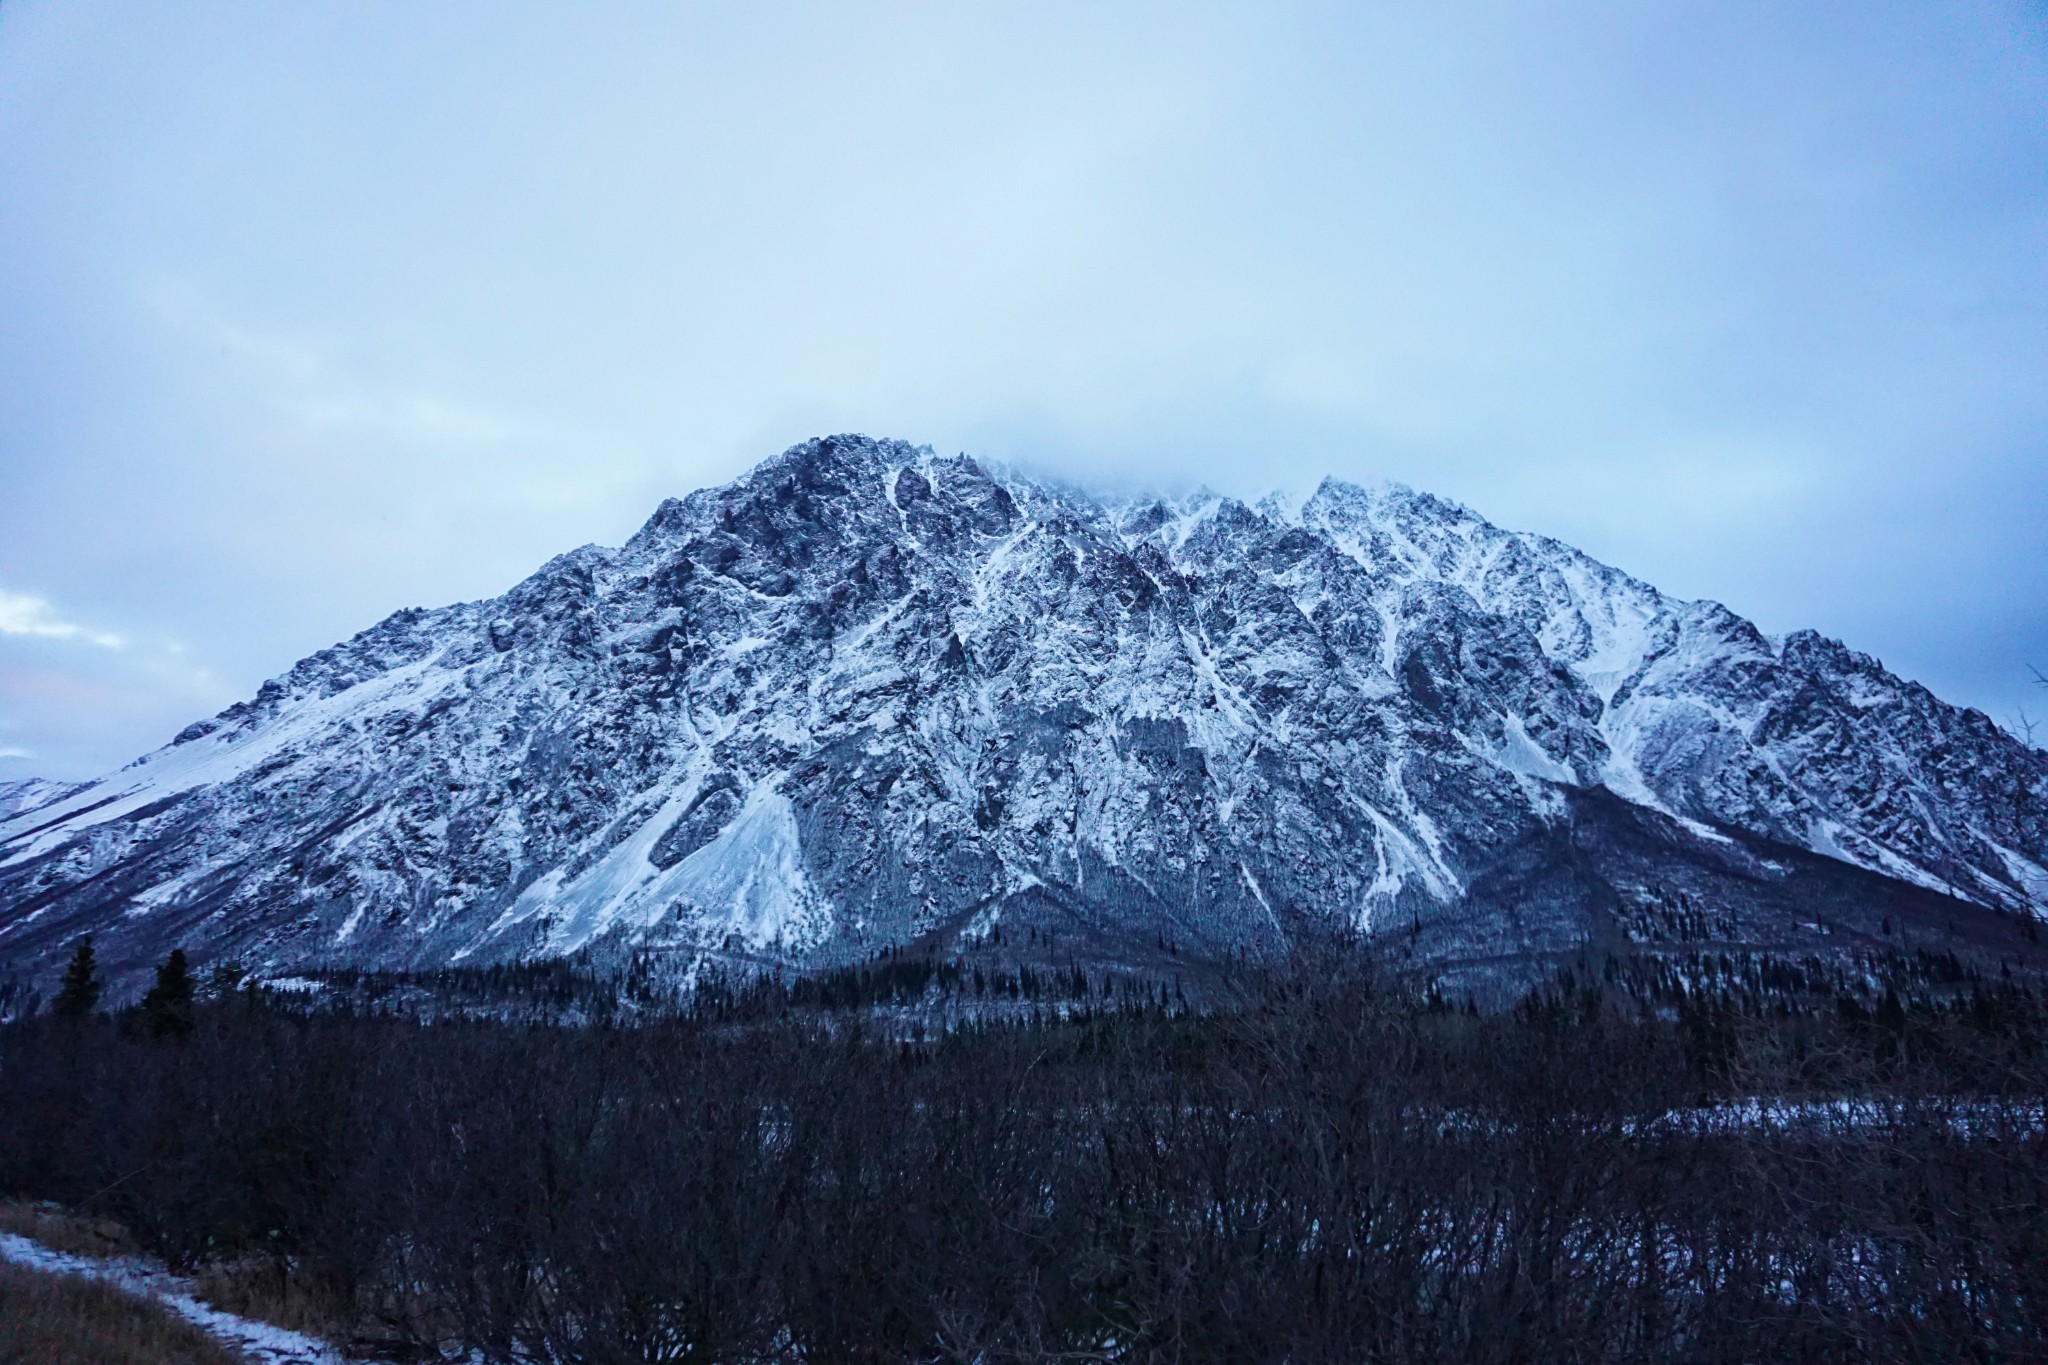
1330 1166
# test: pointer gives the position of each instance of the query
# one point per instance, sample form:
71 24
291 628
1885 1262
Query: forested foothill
1647 1159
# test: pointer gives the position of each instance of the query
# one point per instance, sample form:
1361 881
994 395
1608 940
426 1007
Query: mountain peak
866 696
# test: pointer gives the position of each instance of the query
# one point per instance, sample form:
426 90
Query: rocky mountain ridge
868 697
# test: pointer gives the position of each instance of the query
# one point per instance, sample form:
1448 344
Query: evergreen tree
167 1009
225 979
81 988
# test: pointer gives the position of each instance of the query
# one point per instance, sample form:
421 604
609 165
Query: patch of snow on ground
259 1341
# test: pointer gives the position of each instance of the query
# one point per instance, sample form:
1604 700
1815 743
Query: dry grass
68 1232
50 1319
255 1289
258 1288
250 1288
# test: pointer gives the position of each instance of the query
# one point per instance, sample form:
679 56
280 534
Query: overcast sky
313 311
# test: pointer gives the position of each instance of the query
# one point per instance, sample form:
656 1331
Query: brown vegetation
264 1289
67 1232
50 1319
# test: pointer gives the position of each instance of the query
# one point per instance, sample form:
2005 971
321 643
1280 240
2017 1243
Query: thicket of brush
1326 1169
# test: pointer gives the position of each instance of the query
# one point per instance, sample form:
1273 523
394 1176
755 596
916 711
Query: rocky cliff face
867 696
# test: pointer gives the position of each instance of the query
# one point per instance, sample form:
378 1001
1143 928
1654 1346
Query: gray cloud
313 313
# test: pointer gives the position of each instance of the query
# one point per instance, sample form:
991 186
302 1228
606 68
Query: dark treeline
651 985
1324 1168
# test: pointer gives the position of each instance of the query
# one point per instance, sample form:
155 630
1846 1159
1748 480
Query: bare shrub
1329 1166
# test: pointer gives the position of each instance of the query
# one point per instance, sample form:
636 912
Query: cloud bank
316 312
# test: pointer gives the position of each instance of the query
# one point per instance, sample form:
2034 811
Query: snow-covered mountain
28 792
866 696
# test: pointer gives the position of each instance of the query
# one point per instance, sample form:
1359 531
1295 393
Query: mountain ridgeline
866 699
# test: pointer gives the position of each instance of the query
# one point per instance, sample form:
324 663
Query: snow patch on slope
747 884
212 760
1518 753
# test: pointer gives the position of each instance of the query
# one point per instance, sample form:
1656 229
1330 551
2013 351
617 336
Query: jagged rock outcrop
867 696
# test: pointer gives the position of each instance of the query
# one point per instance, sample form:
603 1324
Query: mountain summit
867 697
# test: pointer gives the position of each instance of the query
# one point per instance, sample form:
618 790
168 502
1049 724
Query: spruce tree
81 988
167 1009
